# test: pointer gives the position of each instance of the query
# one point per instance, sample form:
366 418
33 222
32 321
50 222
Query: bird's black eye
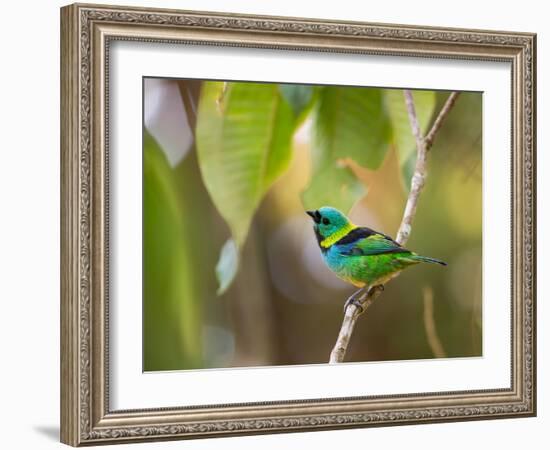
325 221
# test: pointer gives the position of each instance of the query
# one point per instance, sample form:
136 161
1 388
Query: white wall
29 224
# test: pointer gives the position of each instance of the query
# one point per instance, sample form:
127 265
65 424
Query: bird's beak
315 215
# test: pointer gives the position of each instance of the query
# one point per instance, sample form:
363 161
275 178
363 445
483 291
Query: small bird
359 255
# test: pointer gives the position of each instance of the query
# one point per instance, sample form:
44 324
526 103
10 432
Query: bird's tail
429 260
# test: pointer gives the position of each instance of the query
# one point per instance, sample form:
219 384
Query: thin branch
451 100
423 145
419 177
429 324
351 314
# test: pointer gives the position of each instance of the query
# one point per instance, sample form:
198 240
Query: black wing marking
364 242
361 233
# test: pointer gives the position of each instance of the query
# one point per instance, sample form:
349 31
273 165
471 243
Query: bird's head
328 220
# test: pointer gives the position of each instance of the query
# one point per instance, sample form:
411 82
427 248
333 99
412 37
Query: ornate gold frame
86 31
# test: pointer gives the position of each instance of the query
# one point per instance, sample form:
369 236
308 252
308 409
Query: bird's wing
364 241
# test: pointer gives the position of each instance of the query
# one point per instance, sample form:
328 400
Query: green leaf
172 315
243 143
226 269
351 123
333 186
402 136
244 133
298 96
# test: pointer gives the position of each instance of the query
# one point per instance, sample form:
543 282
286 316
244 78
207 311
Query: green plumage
359 255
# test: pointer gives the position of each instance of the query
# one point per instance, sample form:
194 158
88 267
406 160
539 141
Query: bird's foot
356 300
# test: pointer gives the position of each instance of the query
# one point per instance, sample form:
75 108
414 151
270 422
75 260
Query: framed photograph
276 225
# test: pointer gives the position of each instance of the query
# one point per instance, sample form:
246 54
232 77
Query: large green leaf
172 313
402 136
349 123
244 133
243 141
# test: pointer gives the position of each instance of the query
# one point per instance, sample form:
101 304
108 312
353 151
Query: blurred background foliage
232 273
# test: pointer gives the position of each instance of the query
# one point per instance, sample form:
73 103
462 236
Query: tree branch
419 177
429 139
423 144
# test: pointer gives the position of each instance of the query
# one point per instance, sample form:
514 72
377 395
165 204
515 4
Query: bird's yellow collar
337 235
